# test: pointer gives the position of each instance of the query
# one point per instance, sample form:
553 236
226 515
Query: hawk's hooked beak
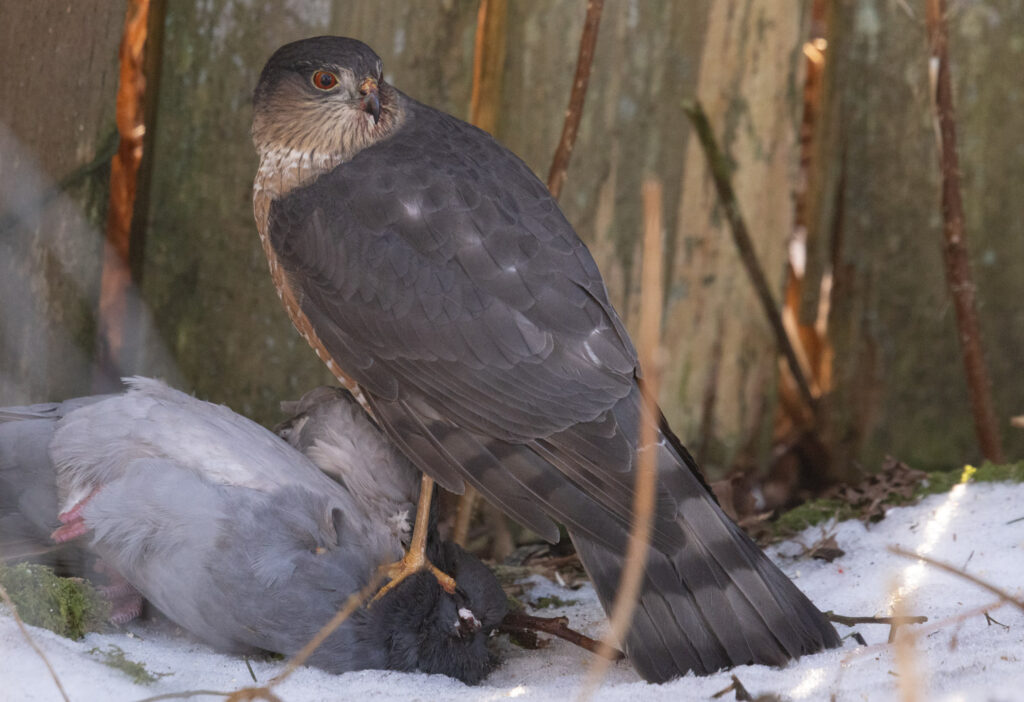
371 98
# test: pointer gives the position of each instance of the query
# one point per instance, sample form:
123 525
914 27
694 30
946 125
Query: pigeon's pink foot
73 523
125 609
125 601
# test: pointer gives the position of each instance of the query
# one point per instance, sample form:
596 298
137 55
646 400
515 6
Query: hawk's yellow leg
415 558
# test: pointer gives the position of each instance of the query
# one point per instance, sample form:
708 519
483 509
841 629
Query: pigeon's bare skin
428 264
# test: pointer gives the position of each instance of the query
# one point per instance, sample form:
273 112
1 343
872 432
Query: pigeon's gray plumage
242 540
425 262
28 495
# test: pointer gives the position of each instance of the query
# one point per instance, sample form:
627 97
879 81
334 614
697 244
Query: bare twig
651 294
742 695
588 40
994 589
925 630
853 621
721 176
28 637
518 622
958 270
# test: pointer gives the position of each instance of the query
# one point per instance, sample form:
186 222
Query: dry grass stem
960 573
646 471
28 637
910 680
186 695
484 103
354 601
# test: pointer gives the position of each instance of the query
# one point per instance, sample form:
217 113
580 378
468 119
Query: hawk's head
322 97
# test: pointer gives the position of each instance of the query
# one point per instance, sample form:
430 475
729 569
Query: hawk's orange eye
325 80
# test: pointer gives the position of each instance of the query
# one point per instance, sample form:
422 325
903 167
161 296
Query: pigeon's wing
96 443
331 428
441 275
235 566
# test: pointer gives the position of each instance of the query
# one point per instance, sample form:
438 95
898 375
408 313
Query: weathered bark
205 277
742 59
749 86
58 80
876 223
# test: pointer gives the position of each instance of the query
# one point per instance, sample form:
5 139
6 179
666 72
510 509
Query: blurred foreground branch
633 568
488 71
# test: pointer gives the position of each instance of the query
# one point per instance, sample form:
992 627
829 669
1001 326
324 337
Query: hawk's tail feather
715 602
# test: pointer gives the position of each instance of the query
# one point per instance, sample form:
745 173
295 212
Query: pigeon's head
324 95
427 629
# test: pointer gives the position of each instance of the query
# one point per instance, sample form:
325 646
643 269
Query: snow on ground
979 526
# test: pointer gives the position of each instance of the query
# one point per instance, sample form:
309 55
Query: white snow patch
967 660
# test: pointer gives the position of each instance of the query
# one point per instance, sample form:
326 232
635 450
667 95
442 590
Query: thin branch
893 621
518 622
925 630
952 569
721 176
28 637
651 293
958 270
588 40
736 686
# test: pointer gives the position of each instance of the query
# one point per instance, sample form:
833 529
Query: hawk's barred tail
714 603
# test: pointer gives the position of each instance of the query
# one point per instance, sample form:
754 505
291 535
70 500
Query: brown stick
518 622
651 294
719 167
588 40
24 631
958 270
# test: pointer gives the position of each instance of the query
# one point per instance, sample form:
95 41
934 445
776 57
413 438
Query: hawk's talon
415 559
412 563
